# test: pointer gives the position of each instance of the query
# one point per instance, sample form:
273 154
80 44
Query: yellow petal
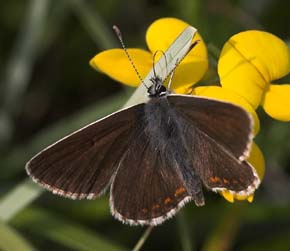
250 60
161 34
115 64
276 102
228 196
232 197
257 160
185 89
250 198
223 94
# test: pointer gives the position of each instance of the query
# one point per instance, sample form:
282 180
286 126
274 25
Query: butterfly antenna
179 61
119 35
171 77
154 60
189 49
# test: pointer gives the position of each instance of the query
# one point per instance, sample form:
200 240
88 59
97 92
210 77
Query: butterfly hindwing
219 169
217 134
146 190
82 164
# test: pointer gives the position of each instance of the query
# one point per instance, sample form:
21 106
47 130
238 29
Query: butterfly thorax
157 89
164 127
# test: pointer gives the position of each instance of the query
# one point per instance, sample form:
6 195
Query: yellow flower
159 36
236 87
249 62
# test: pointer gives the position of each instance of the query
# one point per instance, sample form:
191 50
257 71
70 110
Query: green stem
226 229
143 238
183 229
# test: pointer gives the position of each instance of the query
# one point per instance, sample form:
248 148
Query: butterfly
154 156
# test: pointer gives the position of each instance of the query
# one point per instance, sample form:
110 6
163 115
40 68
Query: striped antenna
178 61
119 35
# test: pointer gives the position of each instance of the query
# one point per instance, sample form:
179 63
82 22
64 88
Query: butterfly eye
157 89
162 90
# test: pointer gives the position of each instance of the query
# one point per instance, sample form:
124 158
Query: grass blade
18 198
64 232
94 24
11 240
25 50
183 230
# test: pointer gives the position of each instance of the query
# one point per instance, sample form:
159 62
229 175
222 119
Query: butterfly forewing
227 124
82 164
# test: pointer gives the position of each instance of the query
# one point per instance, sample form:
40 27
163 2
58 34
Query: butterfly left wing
218 135
82 164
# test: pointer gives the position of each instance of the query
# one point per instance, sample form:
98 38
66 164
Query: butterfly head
157 89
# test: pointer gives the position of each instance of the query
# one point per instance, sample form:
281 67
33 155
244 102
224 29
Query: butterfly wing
148 188
227 124
218 135
219 169
82 164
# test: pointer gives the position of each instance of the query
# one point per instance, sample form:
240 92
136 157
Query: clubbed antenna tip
117 31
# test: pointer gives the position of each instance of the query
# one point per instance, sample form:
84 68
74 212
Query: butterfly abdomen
165 128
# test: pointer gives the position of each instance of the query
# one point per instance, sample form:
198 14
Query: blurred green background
47 90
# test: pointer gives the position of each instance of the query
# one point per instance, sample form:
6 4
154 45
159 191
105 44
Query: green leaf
10 240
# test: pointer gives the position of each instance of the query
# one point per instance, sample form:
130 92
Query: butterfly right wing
218 135
82 164
228 124
218 168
